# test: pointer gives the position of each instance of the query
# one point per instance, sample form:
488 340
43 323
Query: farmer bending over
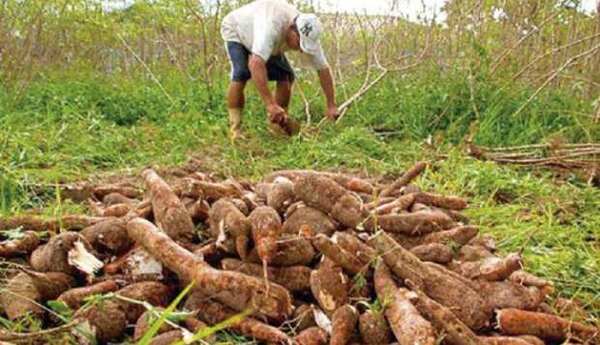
257 35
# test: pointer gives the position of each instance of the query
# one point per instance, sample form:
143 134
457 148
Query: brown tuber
506 294
471 252
118 210
108 237
374 329
154 293
329 286
493 268
23 293
408 325
167 338
266 229
294 278
213 312
117 198
230 227
456 332
144 322
413 224
33 223
26 243
498 340
528 279
343 323
311 336
455 236
169 212
352 244
281 194
54 255
350 183
326 195
125 189
292 251
303 317
305 217
234 289
403 203
74 298
441 201
335 253
433 252
106 319
544 326
439 284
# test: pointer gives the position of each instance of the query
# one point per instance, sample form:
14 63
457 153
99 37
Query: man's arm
258 69
329 91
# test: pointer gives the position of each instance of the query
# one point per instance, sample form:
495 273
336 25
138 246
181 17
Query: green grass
69 127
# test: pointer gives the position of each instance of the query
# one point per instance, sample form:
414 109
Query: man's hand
332 113
276 113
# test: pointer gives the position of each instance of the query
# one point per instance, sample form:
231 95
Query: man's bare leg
235 105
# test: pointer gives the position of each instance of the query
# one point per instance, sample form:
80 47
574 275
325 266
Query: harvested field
308 280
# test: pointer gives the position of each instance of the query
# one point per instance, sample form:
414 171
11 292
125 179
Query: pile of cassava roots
306 258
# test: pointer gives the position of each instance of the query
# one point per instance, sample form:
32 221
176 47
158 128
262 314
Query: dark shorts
278 67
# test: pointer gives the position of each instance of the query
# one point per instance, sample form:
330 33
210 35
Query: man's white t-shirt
260 27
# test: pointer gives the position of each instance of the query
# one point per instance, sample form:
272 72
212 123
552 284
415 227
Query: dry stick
546 160
306 103
512 155
511 49
589 150
555 74
237 290
538 146
12 336
343 108
534 61
147 68
365 86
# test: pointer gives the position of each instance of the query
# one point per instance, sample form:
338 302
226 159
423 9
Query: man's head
304 34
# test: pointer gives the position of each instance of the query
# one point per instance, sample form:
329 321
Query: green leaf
147 338
208 331
61 308
7 324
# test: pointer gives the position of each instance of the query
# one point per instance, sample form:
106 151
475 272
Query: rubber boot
235 124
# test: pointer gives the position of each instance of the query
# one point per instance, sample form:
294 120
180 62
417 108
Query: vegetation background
86 92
